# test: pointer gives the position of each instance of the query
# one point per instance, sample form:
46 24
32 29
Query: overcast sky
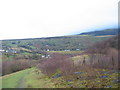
46 18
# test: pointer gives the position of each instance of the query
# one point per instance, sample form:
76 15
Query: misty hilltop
102 32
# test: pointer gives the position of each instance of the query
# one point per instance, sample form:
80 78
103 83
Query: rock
103 76
69 80
79 72
118 81
57 76
105 72
110 86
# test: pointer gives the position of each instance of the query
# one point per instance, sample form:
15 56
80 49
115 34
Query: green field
15 80
36 79
66 52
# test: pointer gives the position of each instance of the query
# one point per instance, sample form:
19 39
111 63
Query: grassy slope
38 80
22 79
13 80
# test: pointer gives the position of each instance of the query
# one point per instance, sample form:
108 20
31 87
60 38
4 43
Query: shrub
105 54
16 65
58 62
108 61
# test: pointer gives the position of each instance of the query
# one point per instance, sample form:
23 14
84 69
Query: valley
88 60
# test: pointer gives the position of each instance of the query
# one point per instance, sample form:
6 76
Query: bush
108 61
105 54
58 62
16 65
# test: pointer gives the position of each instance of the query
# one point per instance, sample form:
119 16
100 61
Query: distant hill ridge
93 33
102 32
60 43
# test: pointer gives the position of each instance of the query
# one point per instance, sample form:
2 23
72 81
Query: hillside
37 48
73 42
76 61
102 32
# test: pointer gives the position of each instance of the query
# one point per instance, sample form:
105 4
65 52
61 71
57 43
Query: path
15 80
21 83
